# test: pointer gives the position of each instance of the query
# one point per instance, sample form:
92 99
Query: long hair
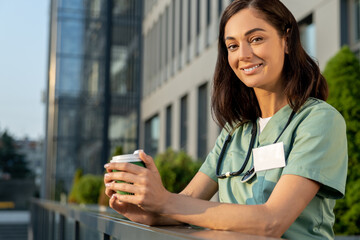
232 101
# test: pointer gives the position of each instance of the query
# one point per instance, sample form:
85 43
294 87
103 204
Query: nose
245 52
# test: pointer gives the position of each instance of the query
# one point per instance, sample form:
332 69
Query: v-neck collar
274 127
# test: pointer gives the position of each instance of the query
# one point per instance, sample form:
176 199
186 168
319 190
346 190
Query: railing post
45 226
106 237
31 229
77 230
62 227
51 225
42 221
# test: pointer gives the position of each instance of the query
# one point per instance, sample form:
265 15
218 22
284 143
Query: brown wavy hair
232 100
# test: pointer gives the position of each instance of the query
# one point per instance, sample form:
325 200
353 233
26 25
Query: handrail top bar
107 221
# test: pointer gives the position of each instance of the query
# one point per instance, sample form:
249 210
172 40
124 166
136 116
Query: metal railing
53 220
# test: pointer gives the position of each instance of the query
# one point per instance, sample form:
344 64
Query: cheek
232 62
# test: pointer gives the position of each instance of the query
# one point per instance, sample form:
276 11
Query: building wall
183 72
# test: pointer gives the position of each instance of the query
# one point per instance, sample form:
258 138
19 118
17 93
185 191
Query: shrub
176 169
88 189
342 73
76 179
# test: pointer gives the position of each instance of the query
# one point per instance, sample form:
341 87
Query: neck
270 102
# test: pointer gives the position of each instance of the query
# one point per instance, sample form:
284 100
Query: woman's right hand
133 212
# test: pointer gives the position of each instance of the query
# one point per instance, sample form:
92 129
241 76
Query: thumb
148 160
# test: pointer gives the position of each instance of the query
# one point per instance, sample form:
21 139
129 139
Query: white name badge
269 157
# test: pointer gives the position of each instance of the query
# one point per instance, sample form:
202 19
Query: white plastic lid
127 157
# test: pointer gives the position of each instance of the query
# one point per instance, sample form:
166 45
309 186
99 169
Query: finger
106 166
130 188
125 167
148 160
108 178
125 187
109 192
133 199
122 176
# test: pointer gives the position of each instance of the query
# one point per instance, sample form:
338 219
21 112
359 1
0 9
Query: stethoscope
250 173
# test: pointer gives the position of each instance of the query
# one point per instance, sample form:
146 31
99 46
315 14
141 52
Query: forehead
245 20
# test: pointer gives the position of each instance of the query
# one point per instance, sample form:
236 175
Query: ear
286 47
286 39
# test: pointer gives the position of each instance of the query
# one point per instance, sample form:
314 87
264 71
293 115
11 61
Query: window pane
357 20
308 35
202 121
69 76
189 22
168 126
71 37
183 123
198 17
152 132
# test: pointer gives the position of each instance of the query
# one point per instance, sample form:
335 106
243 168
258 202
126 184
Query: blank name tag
269 157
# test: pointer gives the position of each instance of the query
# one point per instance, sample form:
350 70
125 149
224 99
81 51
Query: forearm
289 198
252 219
163 220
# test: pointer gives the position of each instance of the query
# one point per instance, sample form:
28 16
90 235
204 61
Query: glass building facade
93 87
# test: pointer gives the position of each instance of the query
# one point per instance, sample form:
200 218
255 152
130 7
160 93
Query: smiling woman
281 180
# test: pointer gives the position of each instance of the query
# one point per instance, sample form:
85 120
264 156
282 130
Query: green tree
87 190
10 160
118 151
176 169
73 193
342 73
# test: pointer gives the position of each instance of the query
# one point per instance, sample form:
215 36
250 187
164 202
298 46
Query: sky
23 67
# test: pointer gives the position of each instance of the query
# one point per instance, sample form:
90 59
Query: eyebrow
247 33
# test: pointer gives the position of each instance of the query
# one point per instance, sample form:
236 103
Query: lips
251 67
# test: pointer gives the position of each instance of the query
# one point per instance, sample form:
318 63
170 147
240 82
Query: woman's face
255 51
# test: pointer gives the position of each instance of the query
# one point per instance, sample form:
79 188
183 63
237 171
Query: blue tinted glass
73 4
71 37
69 77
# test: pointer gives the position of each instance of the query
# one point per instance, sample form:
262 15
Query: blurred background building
93 88
137 74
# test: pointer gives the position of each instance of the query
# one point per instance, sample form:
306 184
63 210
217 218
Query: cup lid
126 158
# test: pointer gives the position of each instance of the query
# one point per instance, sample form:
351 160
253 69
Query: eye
256 39
231 47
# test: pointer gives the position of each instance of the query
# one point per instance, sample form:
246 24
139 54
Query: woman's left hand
149 192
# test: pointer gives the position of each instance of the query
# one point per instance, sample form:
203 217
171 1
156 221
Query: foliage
118 151
343 76
103 199
75 182
176 169
87 189
11 161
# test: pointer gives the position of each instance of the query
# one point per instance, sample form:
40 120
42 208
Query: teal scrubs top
315 147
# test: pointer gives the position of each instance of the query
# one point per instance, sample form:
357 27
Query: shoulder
316 110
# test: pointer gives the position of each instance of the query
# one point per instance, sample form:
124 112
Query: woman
278 180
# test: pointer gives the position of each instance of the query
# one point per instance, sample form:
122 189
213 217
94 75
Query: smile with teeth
252 68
